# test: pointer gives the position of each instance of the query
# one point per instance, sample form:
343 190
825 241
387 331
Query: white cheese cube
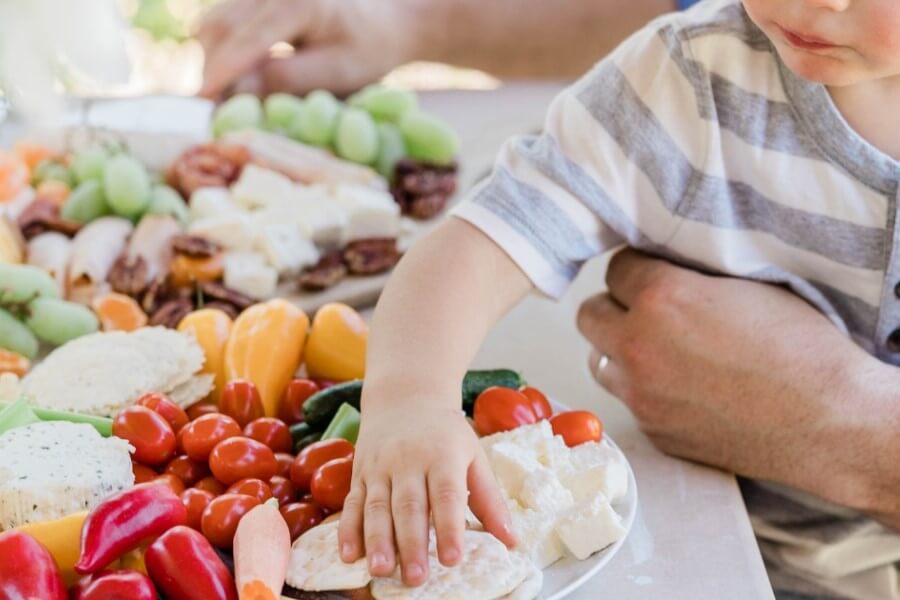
210 201
537 537
320 220
370 213
542 491
248 273
232 230
527 436
285 249
595 469
258 187
511 465
554 454
589 527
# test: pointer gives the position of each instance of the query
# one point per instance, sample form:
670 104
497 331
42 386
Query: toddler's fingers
486 501
378 528
350 531
447 497
409 504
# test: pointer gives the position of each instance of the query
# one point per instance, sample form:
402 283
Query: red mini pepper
121 522
27 569
120 585
185 567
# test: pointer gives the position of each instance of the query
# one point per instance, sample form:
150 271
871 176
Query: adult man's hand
747 377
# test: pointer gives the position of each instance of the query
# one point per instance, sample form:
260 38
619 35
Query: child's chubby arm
416 452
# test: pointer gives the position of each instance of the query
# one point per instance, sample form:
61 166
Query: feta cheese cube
554 454
285 249
259 187
589 527
542 491
527 436
370 213
210 201
233 230
248 273
595 469
511 464
320 220
537 537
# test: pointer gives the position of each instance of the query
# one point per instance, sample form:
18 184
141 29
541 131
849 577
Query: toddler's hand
412 459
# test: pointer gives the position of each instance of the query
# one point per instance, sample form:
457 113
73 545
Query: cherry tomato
257 488
170 411
239 458
284 460
212 485
240 400
324 384
187 470
195 501
149 433
307 498
301 517
282 489
331 483
290 410
577 427
176 484
220 518
502 409
314 456
271 432
539 403
142 473
201 408
201 436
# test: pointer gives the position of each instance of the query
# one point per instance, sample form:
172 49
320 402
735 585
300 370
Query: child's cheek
883 31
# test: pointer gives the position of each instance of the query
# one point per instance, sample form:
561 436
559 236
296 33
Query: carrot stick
262 549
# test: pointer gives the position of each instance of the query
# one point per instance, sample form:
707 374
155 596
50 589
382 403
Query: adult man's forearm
551 39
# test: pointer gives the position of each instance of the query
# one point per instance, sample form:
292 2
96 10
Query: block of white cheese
542 491
511 464
536 535
233 230
371 213
527 436
211 201
258 187
285 249
53 469
248 273
319 219
589 527
595 468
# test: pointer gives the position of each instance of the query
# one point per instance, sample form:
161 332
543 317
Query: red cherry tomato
577 427
119 585
314 456
195 501
257 488
149 433
284 460
502 409
221 517
331 483
187 470
539 402
212 485
196 411
142 473
290 410
170 411
282 489
324 384
201 436
240 400
301 517
307 498
239 458
176 484
271 432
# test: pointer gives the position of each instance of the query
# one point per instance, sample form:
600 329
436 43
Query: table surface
692 537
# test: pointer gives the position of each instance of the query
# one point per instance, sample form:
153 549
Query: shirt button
893 341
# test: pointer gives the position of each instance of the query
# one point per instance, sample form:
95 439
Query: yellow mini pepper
336 348
62 539
211 328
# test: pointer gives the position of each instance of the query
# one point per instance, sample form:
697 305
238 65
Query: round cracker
316 565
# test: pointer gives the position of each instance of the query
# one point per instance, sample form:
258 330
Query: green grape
89 163
22 283
58 321
50 170
86 203
240 112
16 337
385 104
154 17
356 137
390 149
428 139
317 119
126 185
166 201
280 110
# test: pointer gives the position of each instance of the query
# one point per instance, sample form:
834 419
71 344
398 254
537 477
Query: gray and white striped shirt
694 142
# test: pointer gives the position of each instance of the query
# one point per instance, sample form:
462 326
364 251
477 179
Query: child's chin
820 69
